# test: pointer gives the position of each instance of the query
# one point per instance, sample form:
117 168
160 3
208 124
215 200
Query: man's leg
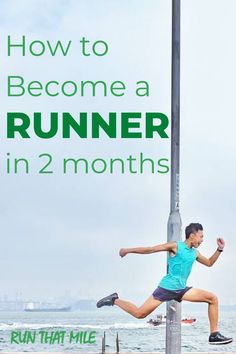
139 312
198 295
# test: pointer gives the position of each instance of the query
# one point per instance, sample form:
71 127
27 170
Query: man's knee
213 299
140 314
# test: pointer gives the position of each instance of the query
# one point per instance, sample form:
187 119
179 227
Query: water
134 335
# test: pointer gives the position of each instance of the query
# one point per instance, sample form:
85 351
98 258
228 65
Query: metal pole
173 309
117 344
104 343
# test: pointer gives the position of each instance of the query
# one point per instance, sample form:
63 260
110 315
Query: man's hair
192 228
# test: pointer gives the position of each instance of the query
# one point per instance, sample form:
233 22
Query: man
173 285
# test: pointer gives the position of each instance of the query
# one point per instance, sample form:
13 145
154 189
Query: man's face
197 238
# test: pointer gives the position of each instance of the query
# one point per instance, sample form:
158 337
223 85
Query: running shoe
108 300
217 338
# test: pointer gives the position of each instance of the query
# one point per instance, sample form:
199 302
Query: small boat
158 320
188 320
37 307
161 320
51 309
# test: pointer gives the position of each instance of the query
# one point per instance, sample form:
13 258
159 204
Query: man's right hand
123 252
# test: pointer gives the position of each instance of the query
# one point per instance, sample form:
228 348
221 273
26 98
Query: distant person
173 285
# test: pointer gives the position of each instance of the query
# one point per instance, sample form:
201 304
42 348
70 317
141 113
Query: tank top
179 267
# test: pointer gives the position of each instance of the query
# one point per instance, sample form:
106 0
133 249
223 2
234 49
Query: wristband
219 250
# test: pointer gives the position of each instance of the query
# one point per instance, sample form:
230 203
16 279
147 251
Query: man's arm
169 246
210 261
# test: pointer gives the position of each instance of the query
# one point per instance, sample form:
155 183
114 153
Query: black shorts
162 294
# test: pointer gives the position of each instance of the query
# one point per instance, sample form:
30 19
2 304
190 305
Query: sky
62 233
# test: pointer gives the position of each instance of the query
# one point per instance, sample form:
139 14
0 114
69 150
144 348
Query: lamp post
173 310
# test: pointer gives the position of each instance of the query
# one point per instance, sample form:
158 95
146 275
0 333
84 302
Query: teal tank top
179 267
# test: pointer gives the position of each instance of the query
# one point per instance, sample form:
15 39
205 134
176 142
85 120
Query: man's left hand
221 243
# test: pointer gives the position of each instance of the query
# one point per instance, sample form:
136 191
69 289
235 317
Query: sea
134 335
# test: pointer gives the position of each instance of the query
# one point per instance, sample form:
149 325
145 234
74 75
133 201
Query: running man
173 285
